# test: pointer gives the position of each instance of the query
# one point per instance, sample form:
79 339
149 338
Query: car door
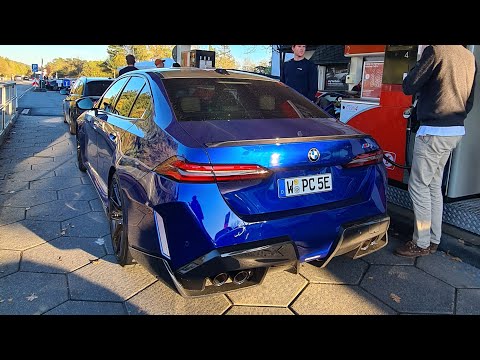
112 127
93 124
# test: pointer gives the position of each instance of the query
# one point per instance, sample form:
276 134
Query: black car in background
92 87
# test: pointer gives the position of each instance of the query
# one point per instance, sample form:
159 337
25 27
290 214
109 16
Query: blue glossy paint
199 218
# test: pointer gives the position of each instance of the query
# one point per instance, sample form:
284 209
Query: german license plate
304 185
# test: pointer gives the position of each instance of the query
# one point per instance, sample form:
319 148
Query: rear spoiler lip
284 140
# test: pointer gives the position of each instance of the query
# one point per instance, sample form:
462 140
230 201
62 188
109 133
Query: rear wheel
72 125
118 222
81 164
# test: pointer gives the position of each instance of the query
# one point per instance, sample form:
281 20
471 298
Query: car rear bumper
245 265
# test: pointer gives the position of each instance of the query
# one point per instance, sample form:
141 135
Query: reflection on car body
92 87
212 177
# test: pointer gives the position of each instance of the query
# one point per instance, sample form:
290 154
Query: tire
117 217
80 162
72 126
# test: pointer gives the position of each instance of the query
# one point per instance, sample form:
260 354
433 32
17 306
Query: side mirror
63 92
85 104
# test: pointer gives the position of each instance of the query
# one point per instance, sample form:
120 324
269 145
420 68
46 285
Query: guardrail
8 104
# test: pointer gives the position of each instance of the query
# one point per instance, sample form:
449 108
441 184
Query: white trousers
430 154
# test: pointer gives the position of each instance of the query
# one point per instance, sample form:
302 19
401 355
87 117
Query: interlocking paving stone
70 170
62 255
341 270
105 280
258 310
10 215
88 308
107 241
27 198
55 183
31 175
9 261
91 224
328 299
452 271
277 289
58 210
159 299
25 293
25 234
468 302
408 289
79 192
13 168
52 166
386 255
96 204
65 159
9 185
86 180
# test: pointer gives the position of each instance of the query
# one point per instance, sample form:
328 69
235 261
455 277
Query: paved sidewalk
56 256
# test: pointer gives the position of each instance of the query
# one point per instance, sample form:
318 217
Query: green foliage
160 51
10 67
224 58
95 68
70 67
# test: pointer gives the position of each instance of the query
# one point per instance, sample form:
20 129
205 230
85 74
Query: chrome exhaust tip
241 277
219 279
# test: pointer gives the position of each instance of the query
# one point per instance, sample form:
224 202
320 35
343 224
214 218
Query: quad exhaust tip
240 277
220 279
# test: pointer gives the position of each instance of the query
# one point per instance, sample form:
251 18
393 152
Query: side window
109 97
79 87
142 109
128 96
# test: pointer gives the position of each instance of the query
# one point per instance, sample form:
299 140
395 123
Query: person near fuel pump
443 81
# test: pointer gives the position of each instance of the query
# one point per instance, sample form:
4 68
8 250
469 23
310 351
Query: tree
247 65
70 67
95 68
160 51
224 58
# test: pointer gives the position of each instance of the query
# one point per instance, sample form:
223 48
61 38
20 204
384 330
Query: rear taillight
369 158
183 171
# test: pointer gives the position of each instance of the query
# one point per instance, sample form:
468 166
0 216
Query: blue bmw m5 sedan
211 177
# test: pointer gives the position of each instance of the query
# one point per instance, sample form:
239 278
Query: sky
33 54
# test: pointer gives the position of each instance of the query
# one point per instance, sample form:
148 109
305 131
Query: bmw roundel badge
313 154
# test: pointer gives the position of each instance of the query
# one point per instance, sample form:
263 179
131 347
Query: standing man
300 73
444 78
130 65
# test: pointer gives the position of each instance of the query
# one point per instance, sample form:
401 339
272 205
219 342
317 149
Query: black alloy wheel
118 222
80 162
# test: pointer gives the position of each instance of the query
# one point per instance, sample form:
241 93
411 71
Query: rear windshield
97 88
235 99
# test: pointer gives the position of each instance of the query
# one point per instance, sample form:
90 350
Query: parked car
214 176
51 84
92 87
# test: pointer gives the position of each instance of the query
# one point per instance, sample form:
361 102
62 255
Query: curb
455 241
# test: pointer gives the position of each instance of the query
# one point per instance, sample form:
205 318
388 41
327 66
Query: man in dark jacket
444 79
130 65
300 73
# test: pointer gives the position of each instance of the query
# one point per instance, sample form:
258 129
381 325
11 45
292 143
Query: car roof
87 78
192 72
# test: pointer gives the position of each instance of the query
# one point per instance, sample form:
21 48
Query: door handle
113 137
